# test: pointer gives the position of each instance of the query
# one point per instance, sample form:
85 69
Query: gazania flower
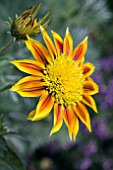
26 24
60 77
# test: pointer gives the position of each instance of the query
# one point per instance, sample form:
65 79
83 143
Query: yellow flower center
64 80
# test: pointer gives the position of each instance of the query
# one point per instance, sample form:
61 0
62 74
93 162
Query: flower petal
71 121
80 50
48 42
29 66
39 52
88 100
44 107
58 42
83 115
90 87
31 115
68 44
29 86
57 118
88 69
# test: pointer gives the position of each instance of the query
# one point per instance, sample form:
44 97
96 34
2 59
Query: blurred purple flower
107 165
106 63
54 147
69 145
99 127
91 148
86 163
101 131
104 78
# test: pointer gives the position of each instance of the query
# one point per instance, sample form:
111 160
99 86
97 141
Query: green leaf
1 123
4 60
6 86
8 159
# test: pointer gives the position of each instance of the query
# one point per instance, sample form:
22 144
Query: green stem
7 46
8 133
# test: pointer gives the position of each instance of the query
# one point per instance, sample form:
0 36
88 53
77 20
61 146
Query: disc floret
64 80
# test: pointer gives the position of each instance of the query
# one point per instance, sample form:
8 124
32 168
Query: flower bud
27 24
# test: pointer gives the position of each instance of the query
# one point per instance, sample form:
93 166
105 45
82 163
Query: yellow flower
61 78
26 24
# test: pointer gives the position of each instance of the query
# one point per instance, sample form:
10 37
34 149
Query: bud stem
7 46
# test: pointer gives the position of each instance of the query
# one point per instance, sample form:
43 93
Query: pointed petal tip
31 115
74 138
86 38
40 4
50 134
89 128
12 62
13 88
70 135
52 31
95 109
34 118
28 38
41 28
28 118
67 30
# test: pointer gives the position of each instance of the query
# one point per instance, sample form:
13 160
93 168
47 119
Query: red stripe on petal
88 100
29 66
44 107
90 87
58 42
49 43
71 121
67 47
79 52
88 69
58 109
40 53
29 86
68 44
83 115
59 46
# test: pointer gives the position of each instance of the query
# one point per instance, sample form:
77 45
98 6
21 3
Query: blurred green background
27 145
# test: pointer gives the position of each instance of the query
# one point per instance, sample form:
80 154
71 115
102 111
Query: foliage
8 158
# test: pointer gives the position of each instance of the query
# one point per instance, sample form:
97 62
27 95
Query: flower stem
7 46
8 133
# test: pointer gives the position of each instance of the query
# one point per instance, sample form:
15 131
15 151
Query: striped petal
58 109
39 52
71 121
79 52
83 115
58 42
29 66
68 44
29 86
48 43
44 107
88 69
88 100
90 87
